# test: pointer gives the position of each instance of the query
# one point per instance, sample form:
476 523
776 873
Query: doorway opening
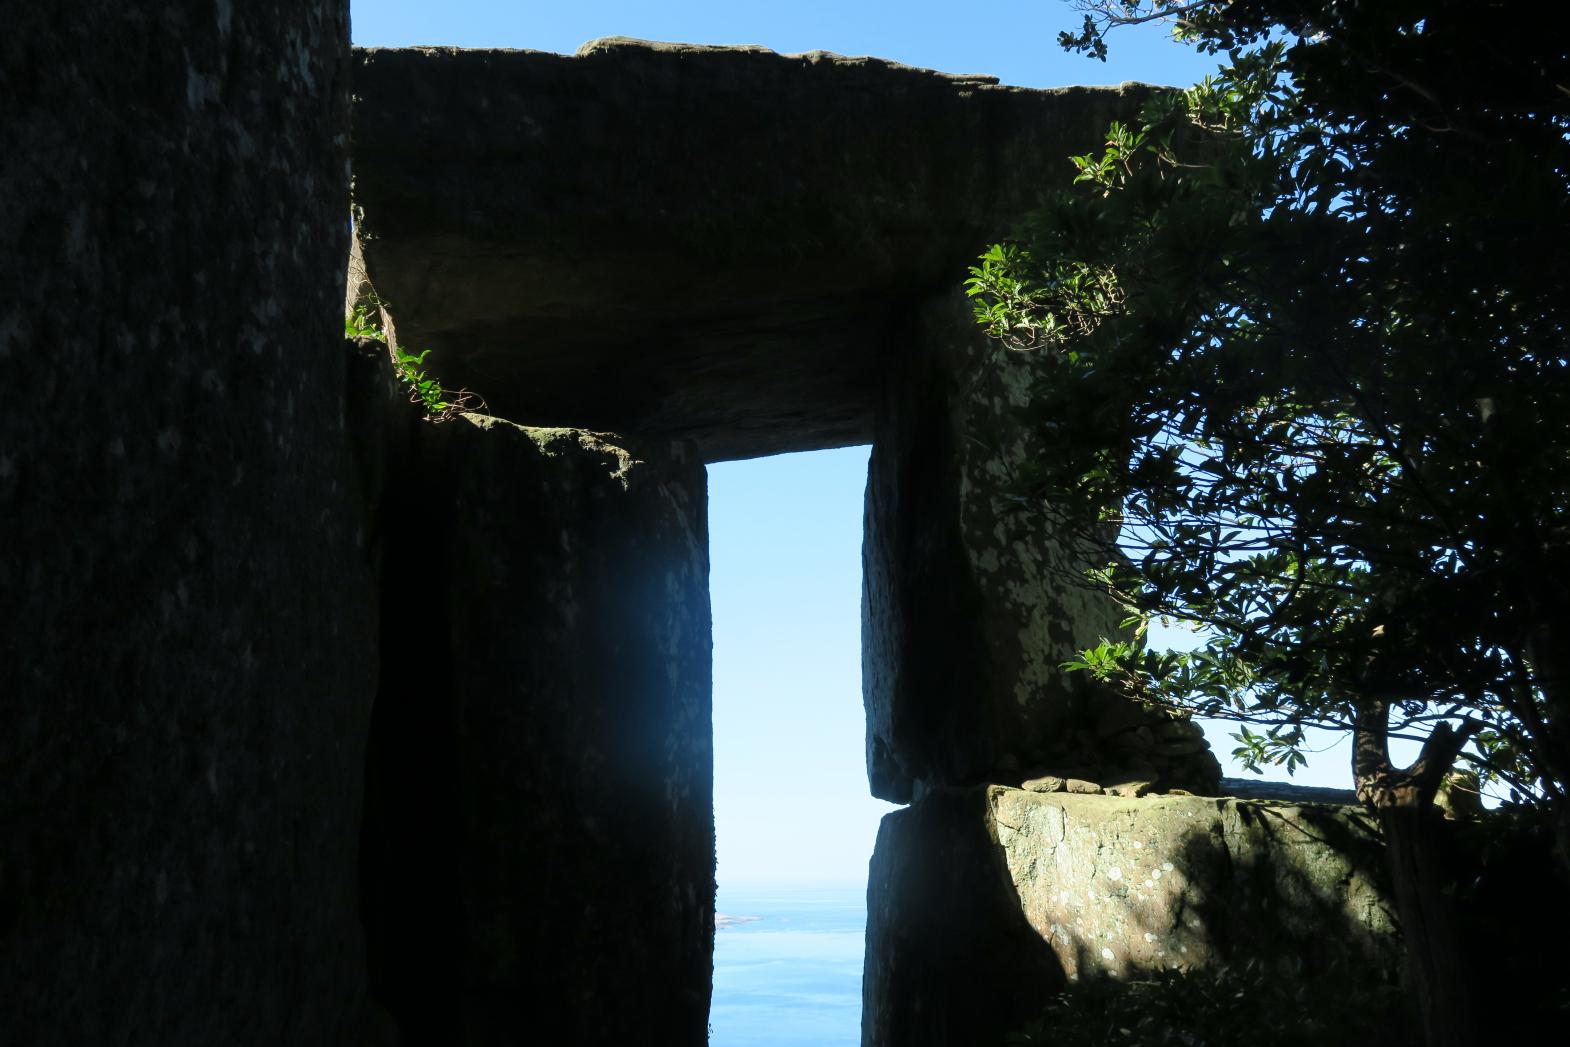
794 820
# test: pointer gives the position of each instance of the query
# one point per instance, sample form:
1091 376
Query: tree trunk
1436 976
1437 981
1551 666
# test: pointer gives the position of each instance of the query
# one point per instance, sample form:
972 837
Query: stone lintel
694 242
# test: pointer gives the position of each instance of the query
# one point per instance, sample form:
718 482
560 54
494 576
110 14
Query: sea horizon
787 971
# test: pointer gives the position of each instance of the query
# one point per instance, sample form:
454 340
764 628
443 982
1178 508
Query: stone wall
539 851
187 663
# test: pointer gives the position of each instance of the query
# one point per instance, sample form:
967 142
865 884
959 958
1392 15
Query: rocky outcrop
983 901
696 242
1122 886
188 657
539 850
972 601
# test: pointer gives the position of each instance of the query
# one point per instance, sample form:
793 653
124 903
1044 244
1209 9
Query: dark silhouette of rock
539 849
1259 789
189 649
951 957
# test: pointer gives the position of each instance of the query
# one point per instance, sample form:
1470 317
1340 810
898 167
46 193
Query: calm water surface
791 978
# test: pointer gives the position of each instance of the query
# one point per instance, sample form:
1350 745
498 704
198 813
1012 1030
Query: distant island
721 921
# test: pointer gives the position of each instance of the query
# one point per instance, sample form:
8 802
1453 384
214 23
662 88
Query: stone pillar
951 957
187 661
539 855
972 602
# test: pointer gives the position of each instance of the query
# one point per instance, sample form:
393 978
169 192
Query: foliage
424 389
1218 1007
362 322
1305 326
1326 390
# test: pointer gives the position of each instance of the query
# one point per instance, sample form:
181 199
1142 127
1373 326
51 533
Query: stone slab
685 241
539 852
1121 886
985 903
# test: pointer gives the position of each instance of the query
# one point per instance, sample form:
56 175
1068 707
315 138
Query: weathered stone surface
1129 785
971 603
983 901
539 855
187 662
950 957
687 241
1120 886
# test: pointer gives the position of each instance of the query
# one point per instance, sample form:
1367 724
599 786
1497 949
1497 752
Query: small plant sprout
440 404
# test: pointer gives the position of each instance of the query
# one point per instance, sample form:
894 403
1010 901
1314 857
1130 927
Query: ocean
787 972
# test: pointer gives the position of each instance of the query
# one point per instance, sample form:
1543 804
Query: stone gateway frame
718 253
324 724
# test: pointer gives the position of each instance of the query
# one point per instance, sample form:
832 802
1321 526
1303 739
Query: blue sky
791 801
1011 39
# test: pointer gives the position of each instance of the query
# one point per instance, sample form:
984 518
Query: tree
1305 327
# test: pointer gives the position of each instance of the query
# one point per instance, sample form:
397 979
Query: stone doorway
673 257
794 822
